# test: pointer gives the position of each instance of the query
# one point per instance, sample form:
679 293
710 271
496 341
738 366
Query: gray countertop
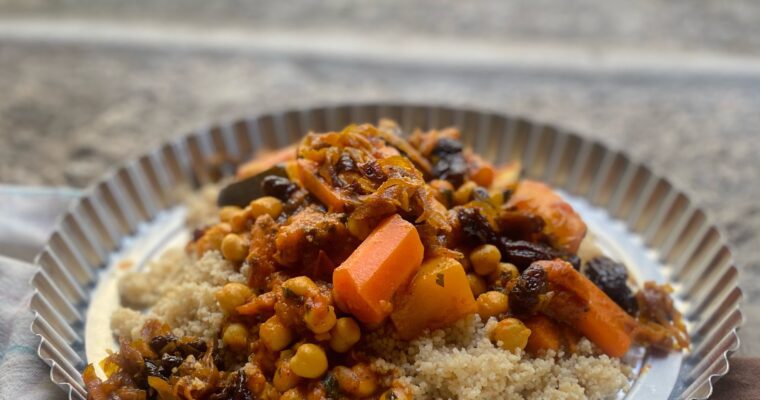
86 85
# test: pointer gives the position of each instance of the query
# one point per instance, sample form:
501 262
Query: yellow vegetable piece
438 295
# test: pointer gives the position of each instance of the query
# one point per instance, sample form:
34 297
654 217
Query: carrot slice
545 334
307 173
580 303
263 161
364 284
481 172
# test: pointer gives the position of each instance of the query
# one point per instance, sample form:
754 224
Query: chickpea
309 361
463 193
239 220
235 336
266 205
234 247
227 212
300 285
293 394
232 295
284 377
504 273
320 322
344 334
274 334
212 238
367 380
485 259
477 284
510 334
491 304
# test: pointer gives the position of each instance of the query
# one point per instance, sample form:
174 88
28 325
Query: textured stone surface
69 111
725 26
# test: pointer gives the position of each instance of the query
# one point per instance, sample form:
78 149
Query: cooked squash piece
364 284
438 295
564 227
545 334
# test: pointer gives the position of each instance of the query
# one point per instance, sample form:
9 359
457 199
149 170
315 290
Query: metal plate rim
51 348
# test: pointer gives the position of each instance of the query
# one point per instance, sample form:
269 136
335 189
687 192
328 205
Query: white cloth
27 216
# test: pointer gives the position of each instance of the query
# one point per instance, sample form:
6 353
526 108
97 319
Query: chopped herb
439 279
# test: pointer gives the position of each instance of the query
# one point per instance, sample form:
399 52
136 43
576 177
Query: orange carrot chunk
263 161
307 173
545 334
580 303
364 284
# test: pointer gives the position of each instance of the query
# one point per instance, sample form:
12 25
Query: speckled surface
68 111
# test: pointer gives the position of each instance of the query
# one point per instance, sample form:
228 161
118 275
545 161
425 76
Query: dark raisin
169 362
450 167
159 342
447 146
237 390
524 296
522 254
346 164
195 348
448 161
278 186
372 171
475 227
152 369
612 277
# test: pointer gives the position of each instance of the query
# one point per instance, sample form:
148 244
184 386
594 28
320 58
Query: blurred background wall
86 84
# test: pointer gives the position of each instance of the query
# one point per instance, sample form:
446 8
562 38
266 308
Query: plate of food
385 252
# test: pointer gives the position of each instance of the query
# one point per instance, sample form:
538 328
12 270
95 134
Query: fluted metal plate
637 215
